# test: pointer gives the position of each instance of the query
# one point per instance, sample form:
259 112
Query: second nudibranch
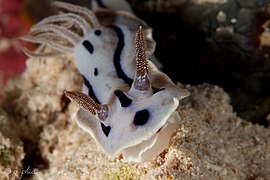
127 104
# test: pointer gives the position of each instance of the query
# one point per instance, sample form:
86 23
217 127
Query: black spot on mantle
95 71
141 117
124 100
88 46
106 129
97 32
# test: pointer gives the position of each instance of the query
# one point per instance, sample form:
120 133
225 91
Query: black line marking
141 117
100 4
91 92
117 59
117 54
124 100
105 129
88 46
96 72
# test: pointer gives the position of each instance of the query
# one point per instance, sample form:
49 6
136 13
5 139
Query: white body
139 124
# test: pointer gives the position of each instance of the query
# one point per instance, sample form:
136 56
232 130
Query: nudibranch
127 105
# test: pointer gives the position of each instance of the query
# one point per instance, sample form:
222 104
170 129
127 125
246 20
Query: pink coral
13 24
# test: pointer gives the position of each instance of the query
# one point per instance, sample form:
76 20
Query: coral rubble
211 141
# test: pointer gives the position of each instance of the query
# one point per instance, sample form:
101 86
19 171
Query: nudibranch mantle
127 104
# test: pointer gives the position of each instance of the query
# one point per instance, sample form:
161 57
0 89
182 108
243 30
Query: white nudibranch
127 104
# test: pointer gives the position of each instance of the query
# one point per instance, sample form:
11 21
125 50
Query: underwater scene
135 89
